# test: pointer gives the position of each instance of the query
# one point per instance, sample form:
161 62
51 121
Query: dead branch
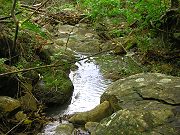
54 65
16 23
36 10
32 8
16 126
7 17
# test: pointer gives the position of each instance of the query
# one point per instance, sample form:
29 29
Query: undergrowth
127 16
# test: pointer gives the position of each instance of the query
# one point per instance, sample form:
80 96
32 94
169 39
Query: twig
29 91
36 11
5 21
7 17
69 37
15 126
16 23
32 8
54 65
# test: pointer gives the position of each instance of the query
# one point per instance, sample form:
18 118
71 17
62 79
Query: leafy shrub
136 14
101 8
141 10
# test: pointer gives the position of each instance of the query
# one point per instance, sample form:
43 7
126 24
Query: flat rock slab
146 103
143 89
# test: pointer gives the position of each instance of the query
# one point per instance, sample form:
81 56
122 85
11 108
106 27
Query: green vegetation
2 68
136 14
146 35
153 24
142 11
140 23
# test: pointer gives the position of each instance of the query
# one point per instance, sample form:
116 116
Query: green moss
54 88
55 78
2 66
5 7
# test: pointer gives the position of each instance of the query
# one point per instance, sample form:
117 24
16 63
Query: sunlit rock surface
98 113
146 103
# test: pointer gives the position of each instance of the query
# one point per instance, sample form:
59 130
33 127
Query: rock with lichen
146 103
136 122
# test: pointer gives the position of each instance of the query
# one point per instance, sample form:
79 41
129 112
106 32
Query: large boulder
146 103
141 90
98 113
136 122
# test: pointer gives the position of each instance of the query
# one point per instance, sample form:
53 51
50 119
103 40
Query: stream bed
89 84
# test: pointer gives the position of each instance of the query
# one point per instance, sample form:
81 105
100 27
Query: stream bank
56 88
83 38
89 84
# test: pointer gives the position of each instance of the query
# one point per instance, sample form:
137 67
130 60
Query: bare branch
54 65
36 10
16 23
16 126
7 17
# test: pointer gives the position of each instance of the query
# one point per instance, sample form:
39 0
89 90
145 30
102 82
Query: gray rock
145 103
142 89
80 38
139 122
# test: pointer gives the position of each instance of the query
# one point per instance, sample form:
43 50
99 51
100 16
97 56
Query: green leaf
34 27
27 121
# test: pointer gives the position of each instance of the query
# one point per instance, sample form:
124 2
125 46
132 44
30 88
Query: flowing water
89 84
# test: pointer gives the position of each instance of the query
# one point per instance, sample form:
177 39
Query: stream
89 84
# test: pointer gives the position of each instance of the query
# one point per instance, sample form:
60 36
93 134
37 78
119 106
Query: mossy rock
20 116
133 122
28 102
144 104
91 126
98 113
55 88
8 104
64 129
